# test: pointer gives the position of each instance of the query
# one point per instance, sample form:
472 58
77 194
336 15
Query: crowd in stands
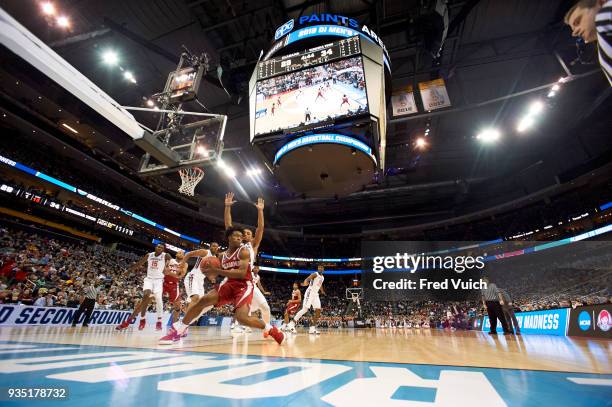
42 268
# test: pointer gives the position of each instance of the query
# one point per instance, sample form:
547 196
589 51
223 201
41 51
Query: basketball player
175 270
311 299
236 289
320 94
194 280
345 100
292 306
252 244
273 108
278 102
153 283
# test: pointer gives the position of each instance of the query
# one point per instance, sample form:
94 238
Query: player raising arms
292 305
345 100
153 283
251 243
236 289
311 299
175 270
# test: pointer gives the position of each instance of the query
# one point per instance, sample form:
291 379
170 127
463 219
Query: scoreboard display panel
314 56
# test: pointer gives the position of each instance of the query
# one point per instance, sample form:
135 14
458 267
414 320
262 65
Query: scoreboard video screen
312 95
314 56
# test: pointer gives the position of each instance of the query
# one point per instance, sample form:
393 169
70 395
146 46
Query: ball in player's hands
208 264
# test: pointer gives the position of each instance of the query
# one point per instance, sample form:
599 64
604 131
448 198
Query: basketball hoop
190 177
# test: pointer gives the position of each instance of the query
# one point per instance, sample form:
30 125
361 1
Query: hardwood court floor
431 347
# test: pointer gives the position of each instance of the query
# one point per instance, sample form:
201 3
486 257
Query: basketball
209 262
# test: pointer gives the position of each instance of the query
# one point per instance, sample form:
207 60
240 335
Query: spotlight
555 88
536 107
150 103
48 8
63 22
110 58
201 150
129 76
229 171
551 94
562 80
489 135
525 123
420 142
253 172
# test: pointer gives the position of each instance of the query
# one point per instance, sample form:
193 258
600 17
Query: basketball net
190 177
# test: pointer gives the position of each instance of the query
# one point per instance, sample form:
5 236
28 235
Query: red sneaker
172 337
158 326
124 325
277 335
142 324
266 333
184 335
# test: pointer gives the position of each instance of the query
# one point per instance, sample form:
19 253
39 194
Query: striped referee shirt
90 291
490 293
603 24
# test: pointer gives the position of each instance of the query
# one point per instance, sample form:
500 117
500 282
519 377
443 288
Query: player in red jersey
273 108
320 94
236 289
345 100
293 304
175 270
278 102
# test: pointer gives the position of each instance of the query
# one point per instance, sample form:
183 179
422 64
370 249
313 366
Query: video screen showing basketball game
313 95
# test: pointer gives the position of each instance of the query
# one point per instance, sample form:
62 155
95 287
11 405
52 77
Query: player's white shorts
311 299
156 285
259 301
194 284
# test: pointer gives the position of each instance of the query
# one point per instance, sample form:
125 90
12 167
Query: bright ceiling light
555 88
129 76
201 150
536 107
525 123
552 93
253 172
48 8
229 171
72 129
489 135
110 57
420 142
63 21
150 103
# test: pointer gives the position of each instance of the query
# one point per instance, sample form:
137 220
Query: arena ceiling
493 49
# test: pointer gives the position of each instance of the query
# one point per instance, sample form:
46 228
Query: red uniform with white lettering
294 303
232 290
171 284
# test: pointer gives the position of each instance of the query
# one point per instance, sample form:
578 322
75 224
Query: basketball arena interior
306 203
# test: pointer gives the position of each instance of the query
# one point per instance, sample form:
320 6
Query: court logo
283 30
584 320
603 320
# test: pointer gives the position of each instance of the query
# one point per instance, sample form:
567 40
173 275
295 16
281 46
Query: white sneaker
247 329
292 330
291 326
312 330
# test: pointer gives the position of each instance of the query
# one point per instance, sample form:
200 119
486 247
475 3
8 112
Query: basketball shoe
124 325
276 334
172 337
142 324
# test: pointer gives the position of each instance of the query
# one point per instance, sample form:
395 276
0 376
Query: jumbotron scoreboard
318 106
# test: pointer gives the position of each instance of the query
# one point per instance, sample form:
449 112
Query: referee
492 299
88 303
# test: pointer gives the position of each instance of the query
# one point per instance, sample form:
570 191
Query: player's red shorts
172 290
292 308
237 292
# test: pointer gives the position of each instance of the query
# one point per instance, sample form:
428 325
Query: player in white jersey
311 299
153 284
252 244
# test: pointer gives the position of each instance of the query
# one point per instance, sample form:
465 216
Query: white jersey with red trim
156 265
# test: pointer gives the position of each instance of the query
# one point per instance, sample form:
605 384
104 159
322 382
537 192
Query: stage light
48 8
536 107
489 135
525 123
110 58
555 88
150 103
129 76
63 22
420 142
552 93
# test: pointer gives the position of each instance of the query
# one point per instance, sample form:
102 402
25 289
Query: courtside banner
549 322
591 321
16 315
